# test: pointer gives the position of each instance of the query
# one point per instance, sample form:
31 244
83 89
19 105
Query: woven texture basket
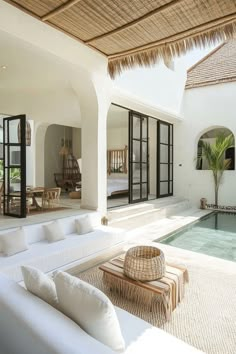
144 263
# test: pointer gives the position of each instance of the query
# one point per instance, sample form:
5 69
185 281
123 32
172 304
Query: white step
133 218
129 210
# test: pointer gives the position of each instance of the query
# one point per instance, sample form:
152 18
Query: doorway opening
13 188
148 174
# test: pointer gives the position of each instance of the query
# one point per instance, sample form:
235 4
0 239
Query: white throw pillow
40 284
84 225
54 232
90 308
13 242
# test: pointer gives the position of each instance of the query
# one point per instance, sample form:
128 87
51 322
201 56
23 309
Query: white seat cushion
51 256
90 308
40 284
141 337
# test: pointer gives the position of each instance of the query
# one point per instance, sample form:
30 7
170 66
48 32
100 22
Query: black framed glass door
138 158
14 166
164 159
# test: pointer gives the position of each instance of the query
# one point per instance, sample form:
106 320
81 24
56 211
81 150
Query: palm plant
214 154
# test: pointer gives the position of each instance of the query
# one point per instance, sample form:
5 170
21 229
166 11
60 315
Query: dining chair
51 197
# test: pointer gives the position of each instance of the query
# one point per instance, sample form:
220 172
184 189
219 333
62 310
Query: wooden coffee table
168 291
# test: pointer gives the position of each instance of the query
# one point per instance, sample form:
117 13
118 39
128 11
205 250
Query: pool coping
188 225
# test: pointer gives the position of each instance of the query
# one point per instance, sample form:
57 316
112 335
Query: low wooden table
168 291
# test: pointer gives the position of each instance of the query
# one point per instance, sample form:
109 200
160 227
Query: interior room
139 157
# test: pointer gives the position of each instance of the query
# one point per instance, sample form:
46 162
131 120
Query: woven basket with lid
144 263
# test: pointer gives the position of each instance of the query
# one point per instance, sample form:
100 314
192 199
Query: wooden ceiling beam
59 9
197 30
135 22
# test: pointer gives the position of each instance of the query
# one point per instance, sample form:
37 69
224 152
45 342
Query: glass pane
171 134
163 188
171 155
136 127
164 133
1 151
144 128
5 132
15 205
171 172
144 151
144 172
136 151
15 180
163 153
144 190
136 172
164 172
136 192
14 155
13 131
171 187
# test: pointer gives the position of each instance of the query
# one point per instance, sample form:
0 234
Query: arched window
210 137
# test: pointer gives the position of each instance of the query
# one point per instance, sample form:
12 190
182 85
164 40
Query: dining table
33 194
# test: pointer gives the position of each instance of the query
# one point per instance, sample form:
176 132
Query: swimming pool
214 235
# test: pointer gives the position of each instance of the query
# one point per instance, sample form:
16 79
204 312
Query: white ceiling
36 83
28 66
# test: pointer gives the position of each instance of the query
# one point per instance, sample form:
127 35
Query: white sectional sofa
63 254
29 325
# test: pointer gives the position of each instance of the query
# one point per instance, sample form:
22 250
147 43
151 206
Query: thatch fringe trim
141 296
170 50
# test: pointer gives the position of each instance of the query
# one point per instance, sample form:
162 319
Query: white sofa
29 325
63 254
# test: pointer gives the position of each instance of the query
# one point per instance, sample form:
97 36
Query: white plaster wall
204 108
52 159
117 138
49 105
157 85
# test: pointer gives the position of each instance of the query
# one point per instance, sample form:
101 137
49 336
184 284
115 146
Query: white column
94 99
94 157
39 138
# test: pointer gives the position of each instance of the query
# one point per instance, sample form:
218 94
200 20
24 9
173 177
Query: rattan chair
51 197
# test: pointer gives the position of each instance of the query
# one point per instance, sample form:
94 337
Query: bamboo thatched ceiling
138 32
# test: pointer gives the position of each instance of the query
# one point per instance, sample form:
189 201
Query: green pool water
214 235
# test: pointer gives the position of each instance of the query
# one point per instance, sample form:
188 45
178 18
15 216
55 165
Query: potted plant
214 154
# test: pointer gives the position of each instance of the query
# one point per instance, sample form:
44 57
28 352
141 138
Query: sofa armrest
29 325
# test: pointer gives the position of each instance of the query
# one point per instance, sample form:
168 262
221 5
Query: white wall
117 138
204 108
52 159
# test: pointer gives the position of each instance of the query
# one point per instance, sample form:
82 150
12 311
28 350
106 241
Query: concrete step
126 211
133 218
